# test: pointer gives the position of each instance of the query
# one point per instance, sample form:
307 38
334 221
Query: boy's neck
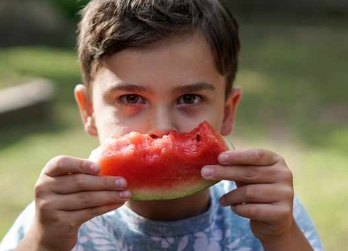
172 210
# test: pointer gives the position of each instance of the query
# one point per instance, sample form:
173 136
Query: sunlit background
294 73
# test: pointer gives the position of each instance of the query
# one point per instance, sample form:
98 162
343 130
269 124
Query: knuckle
43 205
249 193
290 176
216 175
39 189
288 210
285 211
287 175
253 212
281 160
220 173
289 193
259 154
55 163
84 166
60 161
248 174
84 199
79 181
52 161
104 184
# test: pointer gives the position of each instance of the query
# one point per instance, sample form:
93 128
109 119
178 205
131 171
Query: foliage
70 7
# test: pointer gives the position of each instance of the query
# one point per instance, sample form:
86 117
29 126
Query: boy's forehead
180 61
192 48
108 82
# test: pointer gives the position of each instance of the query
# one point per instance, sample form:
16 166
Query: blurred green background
293 72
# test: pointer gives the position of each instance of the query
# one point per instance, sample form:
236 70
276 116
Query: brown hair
109 26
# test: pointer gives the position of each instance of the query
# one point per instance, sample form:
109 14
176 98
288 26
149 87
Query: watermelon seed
198 137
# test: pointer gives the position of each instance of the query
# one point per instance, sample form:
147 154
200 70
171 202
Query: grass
294 82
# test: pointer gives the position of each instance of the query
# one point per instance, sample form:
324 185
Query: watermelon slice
162 168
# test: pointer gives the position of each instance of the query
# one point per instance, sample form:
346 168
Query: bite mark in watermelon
162 168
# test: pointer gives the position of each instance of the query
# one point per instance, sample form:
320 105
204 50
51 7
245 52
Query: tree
69 7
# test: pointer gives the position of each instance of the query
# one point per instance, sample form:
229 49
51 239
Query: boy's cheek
209 113
107 127
111 120
116 126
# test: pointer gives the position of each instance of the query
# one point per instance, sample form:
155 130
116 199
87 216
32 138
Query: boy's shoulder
18 229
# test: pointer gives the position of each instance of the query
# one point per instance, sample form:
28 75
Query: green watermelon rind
151 194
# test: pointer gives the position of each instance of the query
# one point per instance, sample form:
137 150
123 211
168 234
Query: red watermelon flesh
162 168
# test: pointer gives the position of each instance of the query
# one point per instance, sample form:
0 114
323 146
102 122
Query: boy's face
173 86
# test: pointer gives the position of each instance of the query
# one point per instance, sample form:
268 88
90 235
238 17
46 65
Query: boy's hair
109 26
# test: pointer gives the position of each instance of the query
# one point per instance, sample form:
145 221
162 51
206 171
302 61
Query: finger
89 213
245 174
259 193
257 157
84 200
263 212
63 165
240 183
83 182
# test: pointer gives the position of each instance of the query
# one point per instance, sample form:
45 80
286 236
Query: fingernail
120 183
207 171
95 168
125 194
223 158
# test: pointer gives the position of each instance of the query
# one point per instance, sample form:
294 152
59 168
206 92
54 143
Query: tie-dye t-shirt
216 229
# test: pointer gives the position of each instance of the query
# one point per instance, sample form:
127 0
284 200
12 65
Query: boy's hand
67 194
265 190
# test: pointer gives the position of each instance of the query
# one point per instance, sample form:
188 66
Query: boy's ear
86 109
230 110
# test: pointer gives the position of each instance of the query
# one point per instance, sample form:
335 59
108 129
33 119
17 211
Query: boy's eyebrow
196 87
127 87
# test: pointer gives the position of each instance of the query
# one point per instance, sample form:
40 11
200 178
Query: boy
153 66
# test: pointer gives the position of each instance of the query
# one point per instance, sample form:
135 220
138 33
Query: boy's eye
190 99
132 99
